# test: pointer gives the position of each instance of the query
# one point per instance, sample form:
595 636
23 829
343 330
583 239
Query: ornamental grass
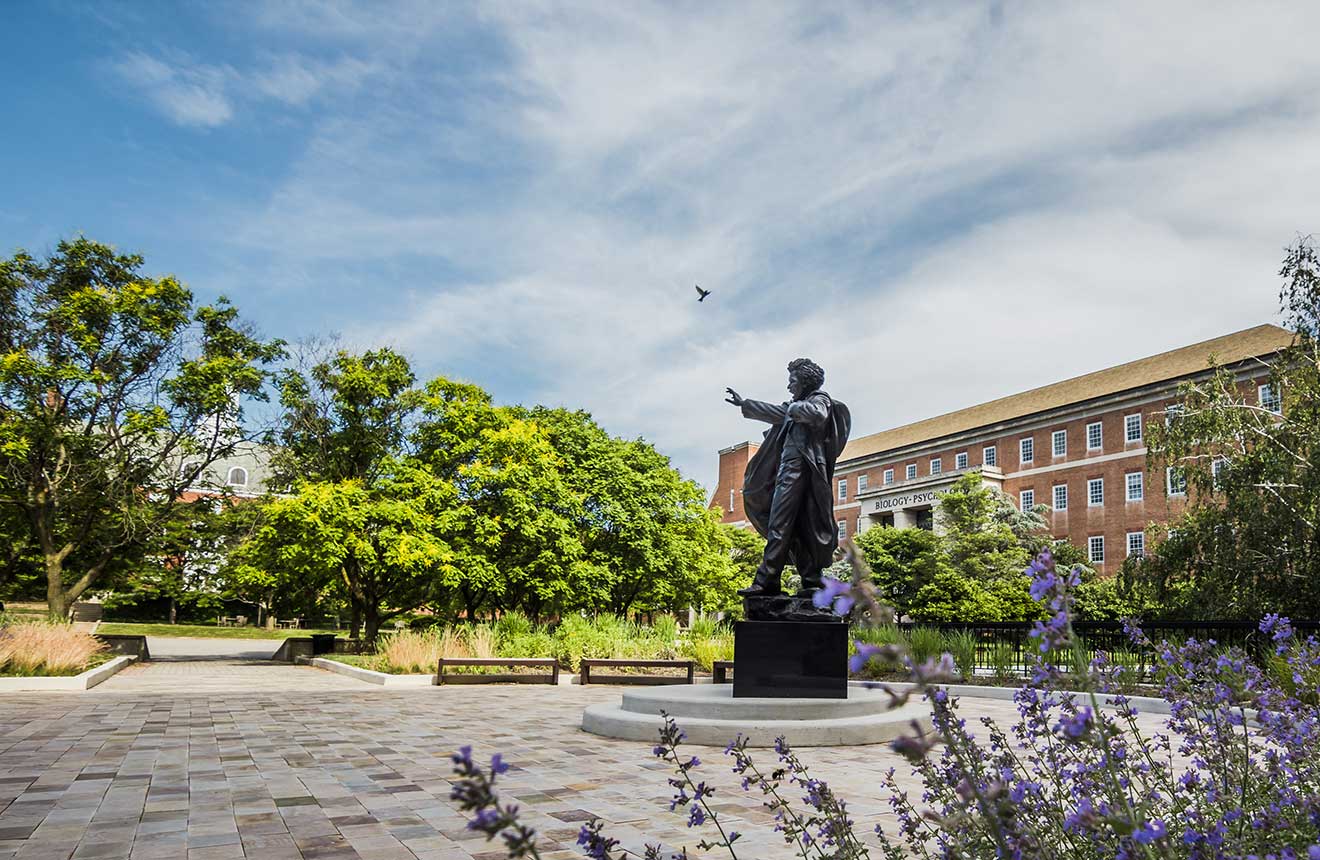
45 648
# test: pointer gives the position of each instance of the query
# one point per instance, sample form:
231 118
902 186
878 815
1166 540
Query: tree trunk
56 605
174 611
354 617
372 614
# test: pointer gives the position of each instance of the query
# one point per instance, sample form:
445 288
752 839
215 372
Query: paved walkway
211 761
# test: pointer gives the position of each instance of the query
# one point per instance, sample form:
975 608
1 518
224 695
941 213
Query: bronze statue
788 488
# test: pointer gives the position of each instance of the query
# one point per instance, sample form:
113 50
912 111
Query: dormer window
238 477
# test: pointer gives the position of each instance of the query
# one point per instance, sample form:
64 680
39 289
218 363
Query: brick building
1077 446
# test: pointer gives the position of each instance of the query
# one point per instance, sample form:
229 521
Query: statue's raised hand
734 397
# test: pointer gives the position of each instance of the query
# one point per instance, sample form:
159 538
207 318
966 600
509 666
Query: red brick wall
1114 519
733 465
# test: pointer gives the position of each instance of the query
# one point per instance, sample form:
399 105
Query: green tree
109 381
378 541
972 570
646 531
343 417
1249 540
181 568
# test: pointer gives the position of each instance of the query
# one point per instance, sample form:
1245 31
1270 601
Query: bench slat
589 663
509 662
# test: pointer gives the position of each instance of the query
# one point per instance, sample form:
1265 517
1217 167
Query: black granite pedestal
790 659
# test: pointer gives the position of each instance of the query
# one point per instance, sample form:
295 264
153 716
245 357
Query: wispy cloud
941 204
187 93
192 93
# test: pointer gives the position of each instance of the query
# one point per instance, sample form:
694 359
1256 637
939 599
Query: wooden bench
500 678
588 665
719 671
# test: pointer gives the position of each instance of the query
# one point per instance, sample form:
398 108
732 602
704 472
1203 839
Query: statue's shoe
755 590
806 592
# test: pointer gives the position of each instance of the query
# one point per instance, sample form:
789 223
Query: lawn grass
203 631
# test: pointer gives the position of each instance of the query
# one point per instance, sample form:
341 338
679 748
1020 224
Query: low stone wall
69 683
135 645
293 648
381 679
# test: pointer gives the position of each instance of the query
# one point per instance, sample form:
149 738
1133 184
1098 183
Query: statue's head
804 377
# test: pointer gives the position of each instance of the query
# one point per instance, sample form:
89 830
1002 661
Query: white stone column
904 519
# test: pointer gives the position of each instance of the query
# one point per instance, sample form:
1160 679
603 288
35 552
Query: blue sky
940 203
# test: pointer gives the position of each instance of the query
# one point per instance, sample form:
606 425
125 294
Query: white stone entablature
905 500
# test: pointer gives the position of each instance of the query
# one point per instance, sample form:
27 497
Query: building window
843 489
1269 398
1172 413
1095 436
1026 450
730 510
960 460
861 482
843 529
988 456
1176 481
889 476
1217 466
237 477
1132 428
936 466
1136 544
1095 549
1027 499
1095 492
911 471
1136 486
190 471
1059 443
1060 497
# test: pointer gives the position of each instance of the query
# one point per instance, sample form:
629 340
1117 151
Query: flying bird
701 293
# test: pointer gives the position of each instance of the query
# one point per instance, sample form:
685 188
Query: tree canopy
110 381
1249 540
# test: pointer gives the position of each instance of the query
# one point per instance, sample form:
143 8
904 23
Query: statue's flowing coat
826 423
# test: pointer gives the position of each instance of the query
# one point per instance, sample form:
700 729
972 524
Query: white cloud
939 204
192 93
188 94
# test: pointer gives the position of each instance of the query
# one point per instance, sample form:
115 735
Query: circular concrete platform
710 716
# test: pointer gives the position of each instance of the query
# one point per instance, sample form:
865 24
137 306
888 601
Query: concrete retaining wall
85 681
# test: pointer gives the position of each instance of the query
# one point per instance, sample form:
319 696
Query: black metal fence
1006 649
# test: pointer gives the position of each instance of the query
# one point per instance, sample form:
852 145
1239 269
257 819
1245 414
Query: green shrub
707 650
961 644
926 643
513 624
1002 658
665 628
704 626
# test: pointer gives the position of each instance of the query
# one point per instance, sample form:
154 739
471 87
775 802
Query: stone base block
790 659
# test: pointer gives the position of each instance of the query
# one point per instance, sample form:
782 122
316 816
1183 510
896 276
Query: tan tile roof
1231 348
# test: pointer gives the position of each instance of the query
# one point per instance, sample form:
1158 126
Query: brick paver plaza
218 760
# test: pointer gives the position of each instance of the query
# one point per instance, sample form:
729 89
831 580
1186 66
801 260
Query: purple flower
1280 630
485 820
1074 725
836 592
1150 832
696 816
865 651
498 765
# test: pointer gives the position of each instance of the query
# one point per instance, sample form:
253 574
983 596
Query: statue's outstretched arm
759 410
